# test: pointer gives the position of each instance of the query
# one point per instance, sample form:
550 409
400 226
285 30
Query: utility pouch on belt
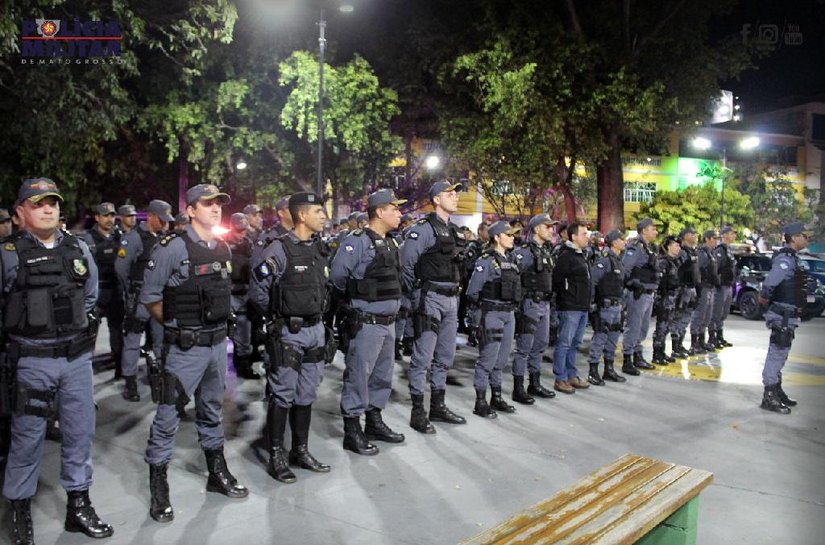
294 324
330 346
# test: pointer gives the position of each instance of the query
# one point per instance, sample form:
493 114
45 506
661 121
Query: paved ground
440 489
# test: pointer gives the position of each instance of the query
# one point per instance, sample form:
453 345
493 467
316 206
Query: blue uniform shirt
782 269
637 254
356 252
486 270
131 247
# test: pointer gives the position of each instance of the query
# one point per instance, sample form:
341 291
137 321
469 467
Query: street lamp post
322 43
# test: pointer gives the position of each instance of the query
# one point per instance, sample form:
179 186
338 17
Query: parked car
814 266
751 270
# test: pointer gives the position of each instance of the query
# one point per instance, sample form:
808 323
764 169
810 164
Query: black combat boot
677 348
593 377
160 508
398 352
535 388
243 368
696 348
783 397
439 412
81 516
300 417
482 408
628 368
278 467
418 417
610 373
130 391
659 355
519 394
497 402
21 531
377 430
772 402
710 344
220 479
720 338
640 362
354 438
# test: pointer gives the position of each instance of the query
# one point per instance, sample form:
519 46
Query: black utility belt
538 296
608 303
69 350
645 291
374 319
447 292
187 338
497 306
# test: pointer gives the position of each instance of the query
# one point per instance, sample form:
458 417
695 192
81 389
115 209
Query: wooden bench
633 500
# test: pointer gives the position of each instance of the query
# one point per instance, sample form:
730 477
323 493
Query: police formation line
189 290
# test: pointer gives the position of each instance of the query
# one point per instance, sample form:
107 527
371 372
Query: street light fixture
432 162
241 165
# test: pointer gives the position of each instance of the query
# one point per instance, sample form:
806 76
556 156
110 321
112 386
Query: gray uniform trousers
638 321
721 307
664 319
607 337
131 341
530 346
71 380
291 387
243 327
434 351
404 325
496 331
369 365
201 371
685 304
777 355
702 314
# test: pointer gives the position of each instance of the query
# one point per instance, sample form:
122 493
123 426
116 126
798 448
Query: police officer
128 217
103 240
785 290
187 287
641 276
494 292
608 288
49 287
593 250
366 270
709 274
5 223
689 280
255 220
277 230
665 303
132 259
404 333
431 262
533 317
722 296
241 246
289 285
181 221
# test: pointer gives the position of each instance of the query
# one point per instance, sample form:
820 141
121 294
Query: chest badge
79 267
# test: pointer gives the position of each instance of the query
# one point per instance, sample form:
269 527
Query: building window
639 191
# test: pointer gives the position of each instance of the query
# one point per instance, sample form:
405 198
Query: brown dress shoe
564 387
578 383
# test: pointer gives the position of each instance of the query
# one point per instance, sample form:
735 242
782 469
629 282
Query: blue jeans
572 324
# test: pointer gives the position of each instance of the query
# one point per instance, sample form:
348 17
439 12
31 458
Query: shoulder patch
121 252
413 235
349 248
358 232
124 242
600 265
519 256
151 265
783 265
630 251
10 247
422 221
479 268
168 238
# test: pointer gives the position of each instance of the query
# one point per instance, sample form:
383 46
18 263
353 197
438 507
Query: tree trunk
183 178
610 187
569 203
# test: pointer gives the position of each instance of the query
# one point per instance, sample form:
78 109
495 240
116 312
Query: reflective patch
783 266
348 248
121 252
79 267
124 242
413 235
151 265
480 268
600 265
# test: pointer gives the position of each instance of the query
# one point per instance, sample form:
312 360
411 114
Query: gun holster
165 387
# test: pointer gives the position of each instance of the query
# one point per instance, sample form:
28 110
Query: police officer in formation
49 291
241 247
103 240
187 286
709 273
533 316
686 300
255 220
5 223
494 292
785 292
431 263
367 272
181 221
404 332
726 265
128 217
607 278
289 285
641 273
665 304
132 258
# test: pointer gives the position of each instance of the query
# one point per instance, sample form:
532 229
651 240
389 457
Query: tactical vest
105 255
47 299
148 240
241 254
382 278
444 260
649 272
611 284
726 264
710 272
507 287
474 250
794 290
539 277
270 235
203 299
689 274
670 275
302 289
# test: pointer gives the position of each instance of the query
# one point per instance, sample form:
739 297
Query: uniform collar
572 246
59 234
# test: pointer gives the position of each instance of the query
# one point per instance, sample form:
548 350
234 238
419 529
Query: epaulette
422 221
167 239
357 232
